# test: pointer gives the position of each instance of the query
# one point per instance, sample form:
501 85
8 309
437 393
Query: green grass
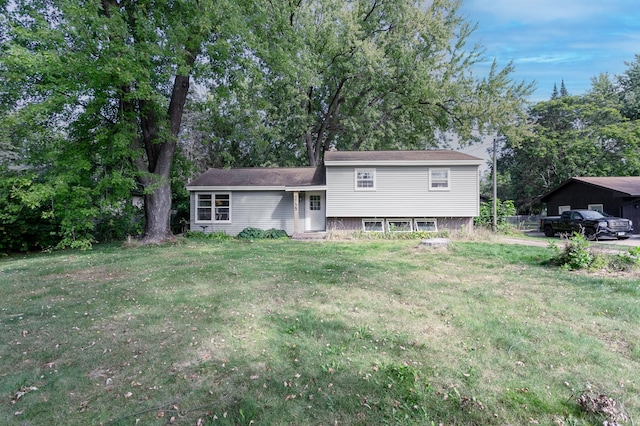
285 332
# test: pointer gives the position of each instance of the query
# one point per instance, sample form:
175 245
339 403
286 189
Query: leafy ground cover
285 332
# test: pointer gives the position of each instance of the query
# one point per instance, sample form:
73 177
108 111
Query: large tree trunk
156 172
157 213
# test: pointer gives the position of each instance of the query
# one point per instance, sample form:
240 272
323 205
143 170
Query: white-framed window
373 225
563 209
439 179
399 225
365 179
213 207
204 203
429 225
596 207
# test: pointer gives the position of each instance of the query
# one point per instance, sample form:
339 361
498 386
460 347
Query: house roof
624 186
423 157
264 178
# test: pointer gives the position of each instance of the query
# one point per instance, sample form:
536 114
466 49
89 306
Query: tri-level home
377 191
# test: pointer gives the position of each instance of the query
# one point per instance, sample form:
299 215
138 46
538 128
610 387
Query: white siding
256 209
403 192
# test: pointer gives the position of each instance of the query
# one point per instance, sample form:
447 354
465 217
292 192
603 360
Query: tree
629 83
356 75
113 78
571 136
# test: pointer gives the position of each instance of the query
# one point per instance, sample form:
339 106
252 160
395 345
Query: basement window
373 225
429 225
399 225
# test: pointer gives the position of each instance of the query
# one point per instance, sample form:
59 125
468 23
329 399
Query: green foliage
576 253
117 224
211 236
416 235
23 227
595 134
617 262
261 234
485 219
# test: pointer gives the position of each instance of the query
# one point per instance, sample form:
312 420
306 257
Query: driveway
536 238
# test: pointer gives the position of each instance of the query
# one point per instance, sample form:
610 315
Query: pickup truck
592 223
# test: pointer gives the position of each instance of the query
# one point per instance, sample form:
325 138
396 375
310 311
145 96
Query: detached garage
617 196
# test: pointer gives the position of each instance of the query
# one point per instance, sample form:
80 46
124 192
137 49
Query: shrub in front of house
261 234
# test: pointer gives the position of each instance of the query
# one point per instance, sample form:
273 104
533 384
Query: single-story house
617 196
354 190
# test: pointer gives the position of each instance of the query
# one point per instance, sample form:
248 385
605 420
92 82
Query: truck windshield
592 214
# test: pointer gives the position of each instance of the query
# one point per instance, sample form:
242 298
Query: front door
315 211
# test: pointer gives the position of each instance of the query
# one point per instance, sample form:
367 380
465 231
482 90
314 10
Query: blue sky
552 40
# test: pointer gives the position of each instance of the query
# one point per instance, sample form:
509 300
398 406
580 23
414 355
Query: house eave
439 163
306 188
236 188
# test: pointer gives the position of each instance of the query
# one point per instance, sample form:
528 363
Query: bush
575 255
201 236
260 234
505 208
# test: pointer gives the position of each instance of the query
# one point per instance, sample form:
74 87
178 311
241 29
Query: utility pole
495 186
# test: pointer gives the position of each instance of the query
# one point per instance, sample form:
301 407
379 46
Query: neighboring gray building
355 190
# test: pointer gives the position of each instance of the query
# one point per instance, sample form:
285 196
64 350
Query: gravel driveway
538 239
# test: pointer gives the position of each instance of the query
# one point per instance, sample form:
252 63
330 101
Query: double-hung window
213 207
439 179
365 179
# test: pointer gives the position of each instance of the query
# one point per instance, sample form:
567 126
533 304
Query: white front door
315 219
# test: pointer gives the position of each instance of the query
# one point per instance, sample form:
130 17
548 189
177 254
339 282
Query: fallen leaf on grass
128 395
22 392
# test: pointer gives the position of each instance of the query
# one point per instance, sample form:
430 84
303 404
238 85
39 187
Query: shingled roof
625 186
261 177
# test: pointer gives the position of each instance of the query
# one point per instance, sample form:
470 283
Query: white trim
306 188
355 179
563 209
212 207
437 163
235 188
597 207
433 170
417 228
381 221
407 220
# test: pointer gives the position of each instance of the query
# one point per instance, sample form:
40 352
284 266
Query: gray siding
403 191
257 209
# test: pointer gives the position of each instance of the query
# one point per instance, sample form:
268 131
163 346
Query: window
563 209
399 225
439 179
429 225
223 207
314 203
203 202
213 207
365 179
373 225
596 207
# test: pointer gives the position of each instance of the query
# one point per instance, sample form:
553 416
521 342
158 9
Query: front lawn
323 333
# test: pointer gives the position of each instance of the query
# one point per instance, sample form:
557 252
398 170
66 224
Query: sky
549 41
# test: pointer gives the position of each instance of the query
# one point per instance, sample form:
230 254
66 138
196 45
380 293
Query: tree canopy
95 92
595 134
